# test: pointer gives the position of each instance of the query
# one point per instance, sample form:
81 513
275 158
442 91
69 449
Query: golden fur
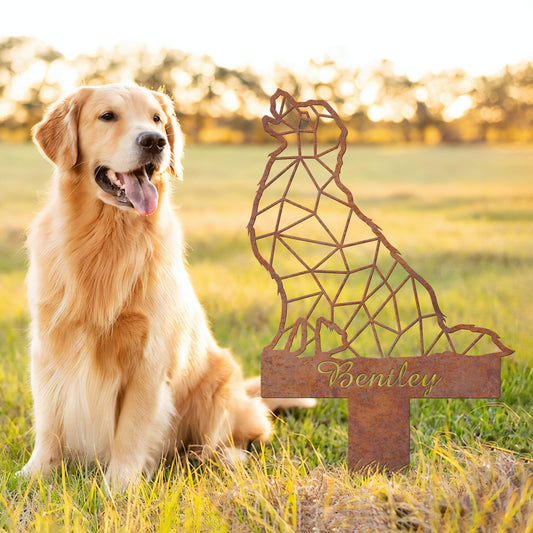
124 368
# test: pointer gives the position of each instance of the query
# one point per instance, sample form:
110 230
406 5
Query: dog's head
120 139
310 128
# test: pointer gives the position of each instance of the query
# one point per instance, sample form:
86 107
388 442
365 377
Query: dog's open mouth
133 189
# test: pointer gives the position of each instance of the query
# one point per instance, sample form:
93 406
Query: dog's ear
174 134
57 134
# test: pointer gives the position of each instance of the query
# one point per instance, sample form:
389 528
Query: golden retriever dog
124 367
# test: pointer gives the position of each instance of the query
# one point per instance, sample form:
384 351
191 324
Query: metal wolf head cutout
356 320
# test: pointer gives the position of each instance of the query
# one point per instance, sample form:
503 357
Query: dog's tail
253 389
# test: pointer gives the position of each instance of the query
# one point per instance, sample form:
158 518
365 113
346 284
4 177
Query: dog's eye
108 116
157 118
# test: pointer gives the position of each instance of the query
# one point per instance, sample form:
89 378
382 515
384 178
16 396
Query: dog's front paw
31 469
119 477
26 472
231 457
41 464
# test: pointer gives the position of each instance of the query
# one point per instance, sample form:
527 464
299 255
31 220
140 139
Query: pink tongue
141 193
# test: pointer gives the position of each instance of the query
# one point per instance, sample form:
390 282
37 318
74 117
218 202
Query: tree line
219 104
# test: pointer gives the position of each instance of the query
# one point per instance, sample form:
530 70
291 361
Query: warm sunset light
342 164
458 107
477 36
398 71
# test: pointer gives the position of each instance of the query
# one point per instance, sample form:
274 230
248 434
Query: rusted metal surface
356 320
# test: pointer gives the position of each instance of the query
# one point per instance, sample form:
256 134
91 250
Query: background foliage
217 104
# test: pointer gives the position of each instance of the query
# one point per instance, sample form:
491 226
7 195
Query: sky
417 36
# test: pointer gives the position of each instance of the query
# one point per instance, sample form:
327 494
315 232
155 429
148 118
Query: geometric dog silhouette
356 320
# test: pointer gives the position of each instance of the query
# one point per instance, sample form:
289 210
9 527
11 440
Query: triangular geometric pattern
356 320
334 267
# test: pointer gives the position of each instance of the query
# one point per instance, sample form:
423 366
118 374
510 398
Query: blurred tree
27 83
220 104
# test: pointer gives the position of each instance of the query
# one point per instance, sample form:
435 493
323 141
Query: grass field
461 216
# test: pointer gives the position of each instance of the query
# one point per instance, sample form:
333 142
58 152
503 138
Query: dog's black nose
151 141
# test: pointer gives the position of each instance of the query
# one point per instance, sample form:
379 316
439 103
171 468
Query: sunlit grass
448 489
462 217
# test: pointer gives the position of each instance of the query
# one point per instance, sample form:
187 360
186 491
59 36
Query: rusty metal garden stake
356 321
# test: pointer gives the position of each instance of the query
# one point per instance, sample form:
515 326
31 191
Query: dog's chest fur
110 320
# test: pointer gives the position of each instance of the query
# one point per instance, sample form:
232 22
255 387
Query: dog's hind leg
253 389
